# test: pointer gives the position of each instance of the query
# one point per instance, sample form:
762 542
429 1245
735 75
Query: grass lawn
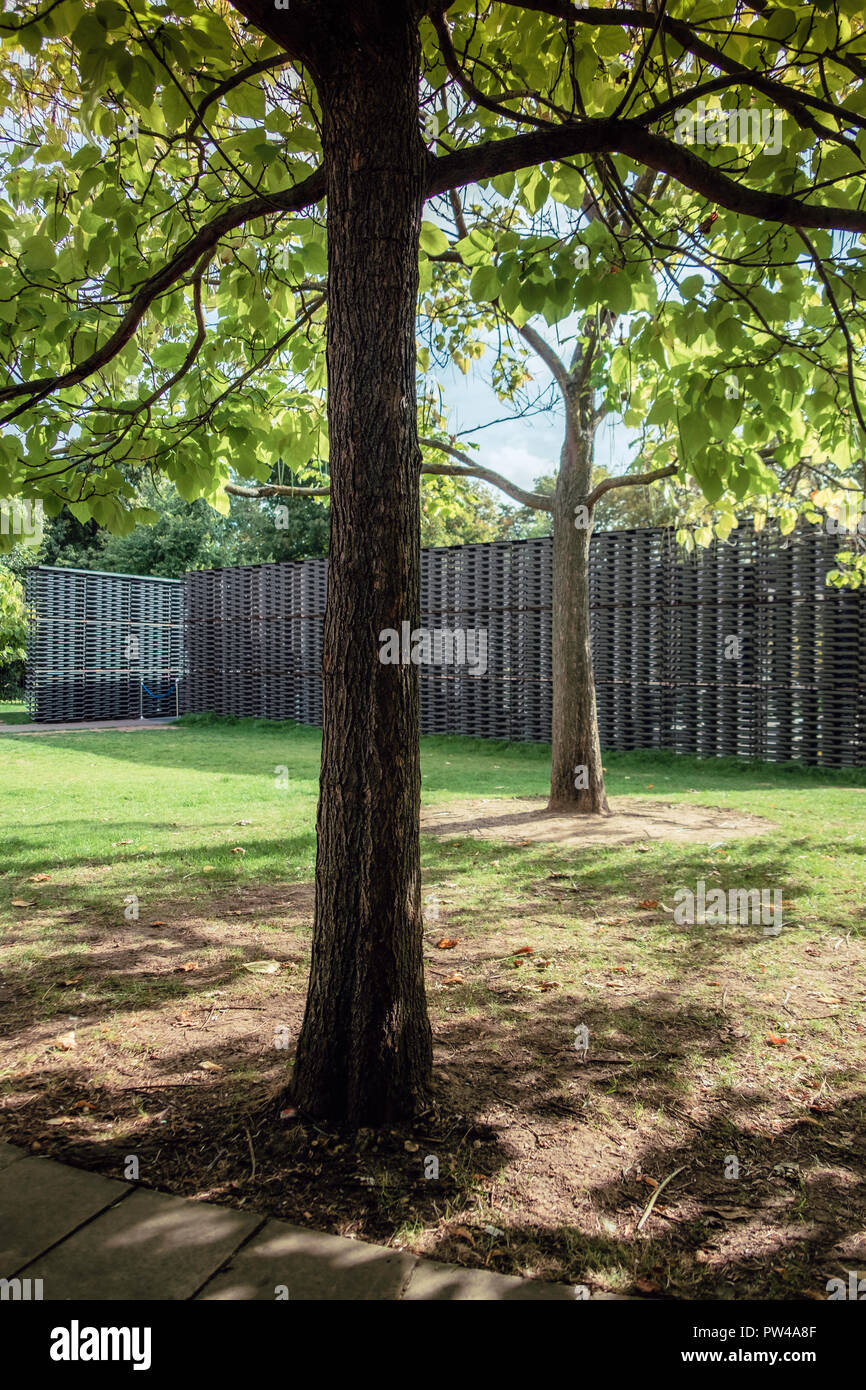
13 712
148 1035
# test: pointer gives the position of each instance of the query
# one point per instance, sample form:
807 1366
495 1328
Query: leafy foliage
13 630
163 252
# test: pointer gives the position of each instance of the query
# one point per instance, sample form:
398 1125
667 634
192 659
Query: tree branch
310 190
275 490
792 101
467 469
543 350
452 63
229 83
604 136
627 480
840 319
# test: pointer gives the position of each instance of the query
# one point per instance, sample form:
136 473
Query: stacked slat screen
741 649
102 646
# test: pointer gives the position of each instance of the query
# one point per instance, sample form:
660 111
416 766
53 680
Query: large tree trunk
364 1053
576 776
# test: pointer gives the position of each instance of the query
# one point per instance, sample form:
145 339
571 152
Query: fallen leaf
263 967
454 979
237 850
159 924
289 1113
646 1286
209 1066
208 866
66 1041
189 965
463 1233
410 1147
775 1041
23 902
548 984
446 943
243 822
524 951
39 878
648 902
75 980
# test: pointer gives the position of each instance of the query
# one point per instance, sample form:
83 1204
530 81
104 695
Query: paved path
90 1237
88 726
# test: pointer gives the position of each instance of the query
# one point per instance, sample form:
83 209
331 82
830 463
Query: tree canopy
163 249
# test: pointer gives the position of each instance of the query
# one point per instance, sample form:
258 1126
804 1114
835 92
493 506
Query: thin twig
654 1197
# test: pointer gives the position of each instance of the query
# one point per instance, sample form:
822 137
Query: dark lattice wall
660 624
102 646
254 640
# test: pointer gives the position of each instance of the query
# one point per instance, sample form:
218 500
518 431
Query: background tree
726 346
13 633
162 302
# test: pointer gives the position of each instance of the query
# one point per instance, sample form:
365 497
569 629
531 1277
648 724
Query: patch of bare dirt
528 821
535 1158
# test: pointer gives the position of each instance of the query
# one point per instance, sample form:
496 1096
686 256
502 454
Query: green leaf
616 293
691 286
247 100
38 253
88 33
433 240
315 258
484 284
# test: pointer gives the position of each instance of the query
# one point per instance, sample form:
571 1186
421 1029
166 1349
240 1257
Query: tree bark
576 775
364 1054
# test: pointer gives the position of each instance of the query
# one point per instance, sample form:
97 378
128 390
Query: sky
521 449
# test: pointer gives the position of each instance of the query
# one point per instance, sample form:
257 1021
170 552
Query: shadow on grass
543 1156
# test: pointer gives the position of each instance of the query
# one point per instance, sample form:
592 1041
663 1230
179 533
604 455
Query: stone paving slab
311 1266
90 1237
151 1246
431 1281
42 1202
9 1153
